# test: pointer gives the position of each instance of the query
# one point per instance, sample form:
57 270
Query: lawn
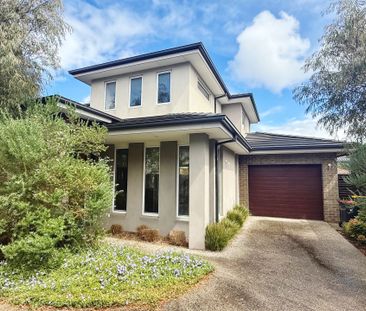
103 277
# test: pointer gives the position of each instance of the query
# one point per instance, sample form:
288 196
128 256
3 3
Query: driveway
281 264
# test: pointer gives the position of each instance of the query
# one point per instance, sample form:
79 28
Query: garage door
291 191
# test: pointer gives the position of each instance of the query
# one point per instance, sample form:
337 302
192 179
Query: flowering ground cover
104 277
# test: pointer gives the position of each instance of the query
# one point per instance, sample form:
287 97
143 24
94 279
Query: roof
180 49
179 119
84 107
260 141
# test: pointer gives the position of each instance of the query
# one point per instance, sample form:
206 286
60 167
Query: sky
258 46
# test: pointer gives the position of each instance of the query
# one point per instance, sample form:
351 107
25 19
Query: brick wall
329 176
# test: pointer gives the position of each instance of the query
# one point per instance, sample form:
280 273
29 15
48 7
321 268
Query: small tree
31 32
336 91
53 195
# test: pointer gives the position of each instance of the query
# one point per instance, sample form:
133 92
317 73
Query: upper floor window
110 95
203 89
164 88
135 92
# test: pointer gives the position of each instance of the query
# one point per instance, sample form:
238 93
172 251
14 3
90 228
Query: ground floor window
183 181
151 191
121 179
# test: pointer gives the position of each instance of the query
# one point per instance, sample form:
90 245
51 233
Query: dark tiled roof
259 141
84 107
179 119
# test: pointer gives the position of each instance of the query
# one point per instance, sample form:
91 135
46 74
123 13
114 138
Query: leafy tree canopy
336 90
31 32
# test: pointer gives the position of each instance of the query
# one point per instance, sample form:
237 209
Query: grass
218 235
104 277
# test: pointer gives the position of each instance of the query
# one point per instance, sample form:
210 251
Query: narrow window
164 88
121 179
152 156
110 95
135 92
183 181
203 89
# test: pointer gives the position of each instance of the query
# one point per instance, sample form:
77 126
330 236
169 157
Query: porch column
199 190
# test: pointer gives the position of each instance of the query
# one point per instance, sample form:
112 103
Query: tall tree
31 32
336 90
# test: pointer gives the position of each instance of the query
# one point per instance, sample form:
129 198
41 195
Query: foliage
355 229
336 90
236 216
357 167
103 277
116 229
31 32
178 238
52 194
218 235
149 235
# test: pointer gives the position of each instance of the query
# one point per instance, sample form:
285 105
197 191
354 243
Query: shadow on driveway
282 264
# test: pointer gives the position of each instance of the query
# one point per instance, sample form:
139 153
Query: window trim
105 94
157 87
144 181
129 91
180 217
114 210
202 84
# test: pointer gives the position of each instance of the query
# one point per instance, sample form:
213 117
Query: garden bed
108 276
360 246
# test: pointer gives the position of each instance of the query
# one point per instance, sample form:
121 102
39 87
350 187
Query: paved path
279 264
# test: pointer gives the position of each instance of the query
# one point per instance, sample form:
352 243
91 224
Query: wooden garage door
291 191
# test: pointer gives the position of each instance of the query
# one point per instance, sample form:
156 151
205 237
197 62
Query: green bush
53 195
219 234
355 229
242 210
236 216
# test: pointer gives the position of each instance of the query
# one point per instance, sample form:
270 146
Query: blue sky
257 46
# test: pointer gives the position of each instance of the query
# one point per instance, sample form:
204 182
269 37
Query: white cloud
301 127
271 111
271 52
86 100
100 34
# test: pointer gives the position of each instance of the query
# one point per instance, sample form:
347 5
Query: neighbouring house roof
164 53
259 141
89 112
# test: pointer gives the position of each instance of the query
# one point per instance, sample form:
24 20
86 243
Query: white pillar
199 192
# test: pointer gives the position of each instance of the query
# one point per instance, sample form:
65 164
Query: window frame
105 95
114 210
157 87
130 93
144 183
205 88
180 217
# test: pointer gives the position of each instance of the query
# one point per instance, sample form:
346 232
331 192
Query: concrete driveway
280 264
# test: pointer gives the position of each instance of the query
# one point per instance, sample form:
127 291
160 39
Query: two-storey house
183 152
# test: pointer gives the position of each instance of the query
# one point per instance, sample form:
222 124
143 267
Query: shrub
235 216
242 210
116 229
53 195
150 235
355 229
219 234
177 238
140 228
